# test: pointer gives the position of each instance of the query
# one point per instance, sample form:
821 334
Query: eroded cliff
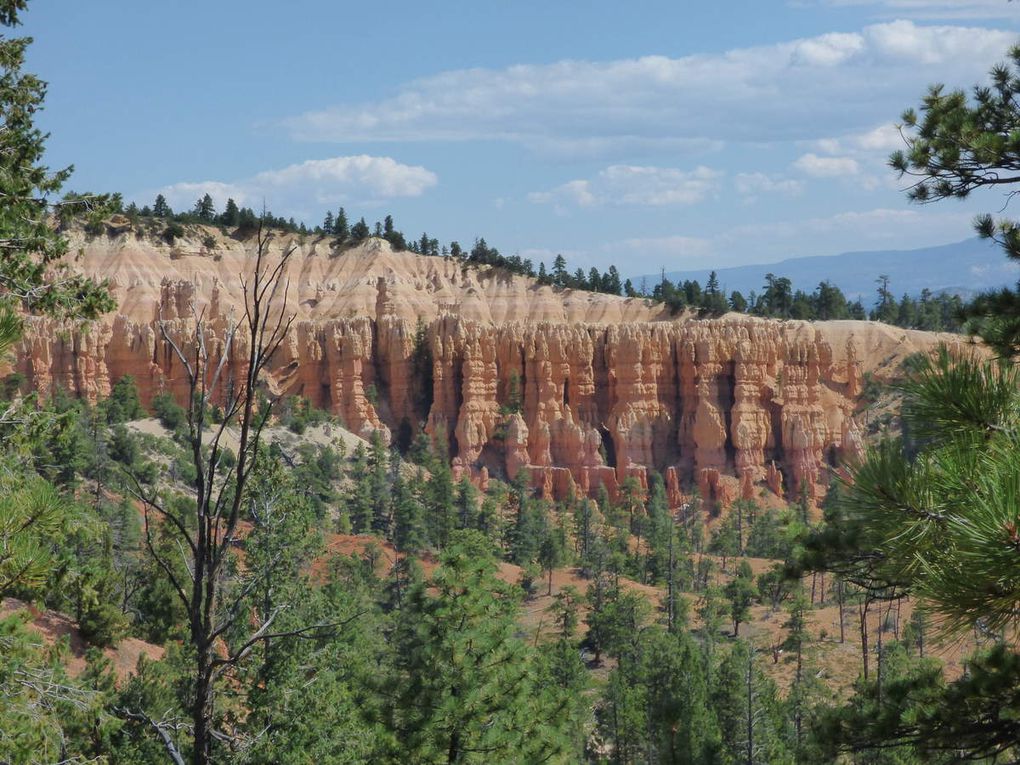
582 390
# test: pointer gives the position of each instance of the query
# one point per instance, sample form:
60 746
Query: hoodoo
581 389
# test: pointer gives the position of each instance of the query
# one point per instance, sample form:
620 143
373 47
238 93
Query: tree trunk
750 709
842 614
863 611
453 753
798 712
201 710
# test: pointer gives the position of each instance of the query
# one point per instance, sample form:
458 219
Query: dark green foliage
440 502
160 209
914 709
956 145
171 415
464 689
360 497
379 462
341 228
231 214
204 209
748 710
123 404
29 273
408 518
296 413
656 705
740 593
422 370
172 232
315 476
360 232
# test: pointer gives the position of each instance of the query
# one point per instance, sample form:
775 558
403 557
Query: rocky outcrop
731 405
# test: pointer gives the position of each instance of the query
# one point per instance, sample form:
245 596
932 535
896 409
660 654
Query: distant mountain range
962 268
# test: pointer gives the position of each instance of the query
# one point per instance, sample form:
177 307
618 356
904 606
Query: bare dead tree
200 563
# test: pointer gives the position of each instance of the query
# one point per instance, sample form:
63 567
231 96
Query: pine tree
408 517
748 710
740 593
886 309
327 223
464 688
559 272
683 725
29 274
467 505
543 276
341 228
359 231
204 209
440 503
796 637
378 462
160 209
361 501
611 282
231 214
551 553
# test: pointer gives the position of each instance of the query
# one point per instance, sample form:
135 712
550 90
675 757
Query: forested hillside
222 572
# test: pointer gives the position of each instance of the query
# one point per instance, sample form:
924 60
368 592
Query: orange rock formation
607 388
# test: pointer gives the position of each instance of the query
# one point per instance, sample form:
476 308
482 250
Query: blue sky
646 134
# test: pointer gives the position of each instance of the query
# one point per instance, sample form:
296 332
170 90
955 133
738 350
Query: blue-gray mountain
962 268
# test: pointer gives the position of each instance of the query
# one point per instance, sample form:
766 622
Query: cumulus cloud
753 184
792 90
633 185
826 167
311 185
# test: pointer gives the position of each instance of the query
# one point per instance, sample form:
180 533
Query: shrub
123 404
103 625
170 413
172 232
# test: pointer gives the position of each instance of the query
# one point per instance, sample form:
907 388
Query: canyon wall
581 390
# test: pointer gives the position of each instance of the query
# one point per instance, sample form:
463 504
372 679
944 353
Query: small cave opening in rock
458 399
832 456
776 421
566 391
608 447
728 400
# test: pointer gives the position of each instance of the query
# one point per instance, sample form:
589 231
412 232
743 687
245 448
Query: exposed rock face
582 390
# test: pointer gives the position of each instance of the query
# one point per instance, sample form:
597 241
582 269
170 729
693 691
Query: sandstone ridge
582 390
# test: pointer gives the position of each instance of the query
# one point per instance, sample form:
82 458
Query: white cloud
182 196
634 185
791 90
884 138
753 184
377 177
828 50
312 185
934 9
827 167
